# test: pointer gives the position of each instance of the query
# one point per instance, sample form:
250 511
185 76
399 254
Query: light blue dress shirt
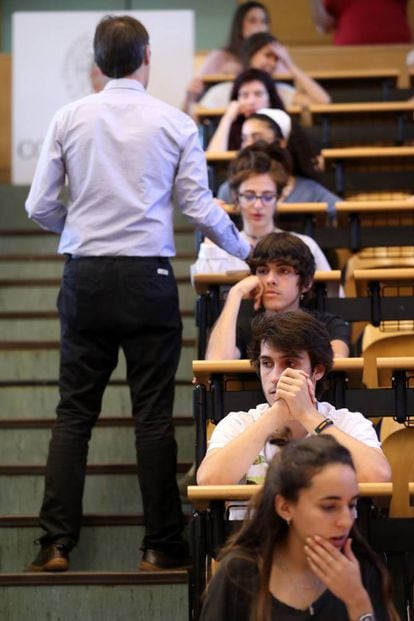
125 154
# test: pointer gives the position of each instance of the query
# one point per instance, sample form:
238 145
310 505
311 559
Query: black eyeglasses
248 199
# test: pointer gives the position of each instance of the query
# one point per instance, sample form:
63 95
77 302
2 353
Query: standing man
124 154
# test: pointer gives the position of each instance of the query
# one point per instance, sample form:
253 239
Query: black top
337 327
230 593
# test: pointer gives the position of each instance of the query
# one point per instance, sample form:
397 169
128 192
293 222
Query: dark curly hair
284 249
260 159
292 332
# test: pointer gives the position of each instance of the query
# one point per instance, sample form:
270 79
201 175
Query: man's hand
296 388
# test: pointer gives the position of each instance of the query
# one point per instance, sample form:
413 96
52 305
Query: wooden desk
366 123
200 496
341 84
357 169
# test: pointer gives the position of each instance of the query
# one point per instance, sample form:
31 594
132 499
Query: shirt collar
125 83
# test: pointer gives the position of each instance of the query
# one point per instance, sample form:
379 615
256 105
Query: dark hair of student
235 39
303 153
260 158
268 122
290 472
119 45
284 249
253 44
291 332
257 75
251 75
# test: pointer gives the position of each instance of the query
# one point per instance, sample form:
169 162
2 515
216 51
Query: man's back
121 150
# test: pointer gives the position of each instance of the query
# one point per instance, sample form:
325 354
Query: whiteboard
52 63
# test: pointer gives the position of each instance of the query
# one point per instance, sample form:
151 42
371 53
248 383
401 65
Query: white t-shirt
213 260
235 423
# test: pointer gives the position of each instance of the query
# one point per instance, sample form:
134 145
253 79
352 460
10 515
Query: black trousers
106 303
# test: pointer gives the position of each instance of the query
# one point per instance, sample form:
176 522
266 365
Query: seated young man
282 268
292 354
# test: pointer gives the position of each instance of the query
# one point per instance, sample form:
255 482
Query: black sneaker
54 557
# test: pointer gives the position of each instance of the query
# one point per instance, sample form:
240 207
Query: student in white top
292 354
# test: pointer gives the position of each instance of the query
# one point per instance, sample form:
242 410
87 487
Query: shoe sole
52 566
146 566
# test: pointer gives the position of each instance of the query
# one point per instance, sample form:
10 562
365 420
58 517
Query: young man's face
273 362
281 287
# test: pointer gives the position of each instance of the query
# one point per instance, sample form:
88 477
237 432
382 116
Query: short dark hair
253 44
257 75
291 332
119 45
287 249
235 39
257 159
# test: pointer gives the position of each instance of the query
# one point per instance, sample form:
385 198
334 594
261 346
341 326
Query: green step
39 401
29 363
104 492
39 296
102 547
114 444
47 243
120 598
13 329
51 266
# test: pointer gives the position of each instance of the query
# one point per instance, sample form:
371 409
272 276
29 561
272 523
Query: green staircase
103 582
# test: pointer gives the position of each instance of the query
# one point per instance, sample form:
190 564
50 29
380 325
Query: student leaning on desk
292 354
299 554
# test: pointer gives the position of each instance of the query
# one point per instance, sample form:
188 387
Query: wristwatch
368 616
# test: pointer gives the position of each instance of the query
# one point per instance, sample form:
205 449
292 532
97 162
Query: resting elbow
379 472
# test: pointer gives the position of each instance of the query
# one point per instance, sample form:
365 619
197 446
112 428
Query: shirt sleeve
43 204
353 423
337 327
230 427
196 200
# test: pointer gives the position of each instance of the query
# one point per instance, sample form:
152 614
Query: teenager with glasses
257 180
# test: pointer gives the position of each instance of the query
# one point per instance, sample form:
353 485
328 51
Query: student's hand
337 569
296 388
285 62
250 288
233 110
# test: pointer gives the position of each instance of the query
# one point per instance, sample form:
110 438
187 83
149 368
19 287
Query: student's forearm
309 87
222 341
359 605
228 465
220 139
340 348
370 463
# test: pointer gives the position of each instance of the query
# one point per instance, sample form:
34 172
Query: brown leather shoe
156 560
54 557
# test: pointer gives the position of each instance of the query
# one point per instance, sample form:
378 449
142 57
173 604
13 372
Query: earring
301 297
288 521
